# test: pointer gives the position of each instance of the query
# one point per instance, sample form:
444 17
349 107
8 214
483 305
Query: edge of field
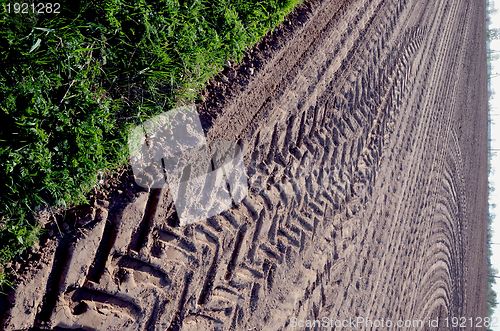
67 224
20 229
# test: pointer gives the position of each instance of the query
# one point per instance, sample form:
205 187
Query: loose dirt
365 125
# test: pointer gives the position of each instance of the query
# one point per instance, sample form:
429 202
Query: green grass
72 84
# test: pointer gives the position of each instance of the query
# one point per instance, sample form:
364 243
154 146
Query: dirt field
365 125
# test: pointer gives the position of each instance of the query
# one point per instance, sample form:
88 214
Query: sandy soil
365 127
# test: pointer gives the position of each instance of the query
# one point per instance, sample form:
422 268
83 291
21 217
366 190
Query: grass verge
72 83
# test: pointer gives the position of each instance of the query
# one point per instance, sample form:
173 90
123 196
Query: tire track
357 201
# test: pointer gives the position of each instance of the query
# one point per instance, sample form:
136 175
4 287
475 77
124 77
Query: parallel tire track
361 163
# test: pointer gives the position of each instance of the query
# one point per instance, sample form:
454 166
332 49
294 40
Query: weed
71 84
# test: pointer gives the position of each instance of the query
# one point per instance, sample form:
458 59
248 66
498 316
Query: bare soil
365 124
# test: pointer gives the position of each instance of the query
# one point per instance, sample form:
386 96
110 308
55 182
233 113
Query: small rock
101 215
104 311
104 203
92 213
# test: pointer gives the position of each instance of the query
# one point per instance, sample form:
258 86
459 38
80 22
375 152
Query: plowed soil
365 129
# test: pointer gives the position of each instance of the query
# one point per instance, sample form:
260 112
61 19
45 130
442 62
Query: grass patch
71 84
